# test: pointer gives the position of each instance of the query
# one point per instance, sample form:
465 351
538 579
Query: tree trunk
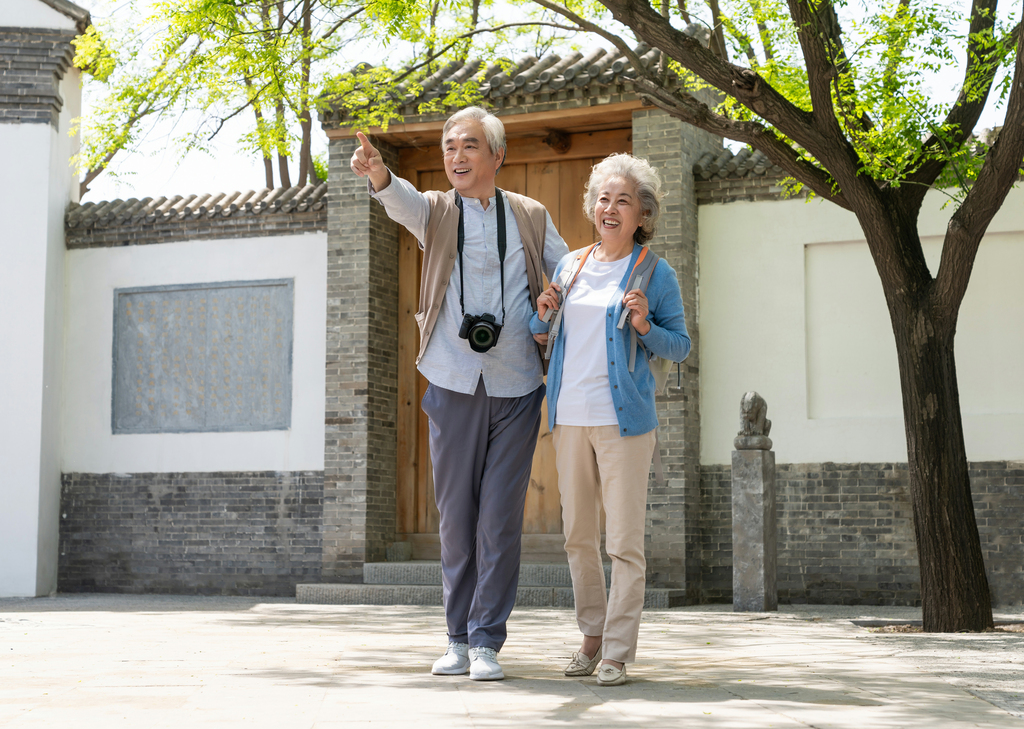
305 151
268 170
268 162
282 170
305 119
954 589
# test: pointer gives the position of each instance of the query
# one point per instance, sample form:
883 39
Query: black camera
481 331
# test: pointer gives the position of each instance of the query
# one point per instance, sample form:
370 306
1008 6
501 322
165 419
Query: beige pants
596 464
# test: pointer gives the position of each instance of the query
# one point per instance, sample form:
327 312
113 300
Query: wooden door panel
512 177
543 185
558 185
576 230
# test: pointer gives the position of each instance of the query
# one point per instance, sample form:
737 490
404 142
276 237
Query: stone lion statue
753 416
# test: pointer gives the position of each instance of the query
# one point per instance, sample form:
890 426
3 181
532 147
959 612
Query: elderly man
483 366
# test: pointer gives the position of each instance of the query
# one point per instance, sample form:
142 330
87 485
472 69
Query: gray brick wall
673 536
240 225
846 533
254 533
360 448
744 189
32 63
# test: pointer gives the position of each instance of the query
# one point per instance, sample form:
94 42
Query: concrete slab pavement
158 661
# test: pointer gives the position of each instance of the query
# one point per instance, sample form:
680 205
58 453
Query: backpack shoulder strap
565 281
639 278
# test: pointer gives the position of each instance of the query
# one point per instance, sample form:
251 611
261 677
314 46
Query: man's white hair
494 130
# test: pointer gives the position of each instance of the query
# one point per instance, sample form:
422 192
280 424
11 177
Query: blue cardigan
632 392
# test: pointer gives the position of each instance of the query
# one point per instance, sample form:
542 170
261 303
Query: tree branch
432 57
968 224
816 29
743 39
964 115
691 110
718 46
598 30
894 58
762 29
825 144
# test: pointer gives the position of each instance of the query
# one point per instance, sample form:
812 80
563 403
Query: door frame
416 514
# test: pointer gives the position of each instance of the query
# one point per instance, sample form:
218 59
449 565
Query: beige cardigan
440 247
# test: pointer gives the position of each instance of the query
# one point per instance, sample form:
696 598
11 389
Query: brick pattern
220 533
360 448
747 189
32 64
846 533
673 544
204 228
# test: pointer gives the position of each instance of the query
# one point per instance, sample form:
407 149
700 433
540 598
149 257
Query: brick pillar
673 537
360 443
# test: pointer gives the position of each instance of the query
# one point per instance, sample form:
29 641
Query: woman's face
617 212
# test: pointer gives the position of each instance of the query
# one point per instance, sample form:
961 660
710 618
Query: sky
157 169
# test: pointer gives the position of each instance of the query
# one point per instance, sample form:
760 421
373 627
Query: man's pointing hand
367 162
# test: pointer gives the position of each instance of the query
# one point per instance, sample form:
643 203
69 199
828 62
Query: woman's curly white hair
642 176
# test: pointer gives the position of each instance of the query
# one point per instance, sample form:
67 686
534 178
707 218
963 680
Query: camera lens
481 337
481 331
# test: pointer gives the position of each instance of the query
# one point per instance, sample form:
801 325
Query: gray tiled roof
76 13
112 213
551 73
726 165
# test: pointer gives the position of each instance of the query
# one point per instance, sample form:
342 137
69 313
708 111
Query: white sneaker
484 665
454 662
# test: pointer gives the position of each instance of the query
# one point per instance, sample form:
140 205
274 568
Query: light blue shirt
632 392
512 367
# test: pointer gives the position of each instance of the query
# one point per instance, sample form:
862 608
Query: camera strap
502 245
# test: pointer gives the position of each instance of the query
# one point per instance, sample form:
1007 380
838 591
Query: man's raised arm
402 202
367 162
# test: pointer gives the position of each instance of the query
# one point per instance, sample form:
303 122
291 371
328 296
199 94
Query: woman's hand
541 339
636 302
547 300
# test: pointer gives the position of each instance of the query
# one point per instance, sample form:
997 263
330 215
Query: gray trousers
482 452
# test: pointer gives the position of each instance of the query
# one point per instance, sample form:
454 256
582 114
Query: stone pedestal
754 528
754 587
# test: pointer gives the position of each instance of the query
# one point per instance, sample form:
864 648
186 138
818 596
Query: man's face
468 160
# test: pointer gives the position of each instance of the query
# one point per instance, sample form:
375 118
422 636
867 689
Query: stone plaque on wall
203 357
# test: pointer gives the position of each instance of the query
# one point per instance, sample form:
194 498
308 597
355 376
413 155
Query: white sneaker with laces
484 665
454 662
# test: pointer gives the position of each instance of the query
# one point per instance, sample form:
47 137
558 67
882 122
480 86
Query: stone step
429 573
345 594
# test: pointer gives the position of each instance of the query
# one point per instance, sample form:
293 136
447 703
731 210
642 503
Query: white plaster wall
92 276
23 267
32 203
32 14
791 306
62 189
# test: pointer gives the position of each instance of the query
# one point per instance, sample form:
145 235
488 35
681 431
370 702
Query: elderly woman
602 414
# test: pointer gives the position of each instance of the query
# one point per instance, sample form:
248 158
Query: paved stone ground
157 661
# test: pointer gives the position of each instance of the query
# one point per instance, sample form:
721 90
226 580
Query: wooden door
558 184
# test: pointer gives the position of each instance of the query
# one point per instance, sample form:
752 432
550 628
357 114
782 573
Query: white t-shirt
585 396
